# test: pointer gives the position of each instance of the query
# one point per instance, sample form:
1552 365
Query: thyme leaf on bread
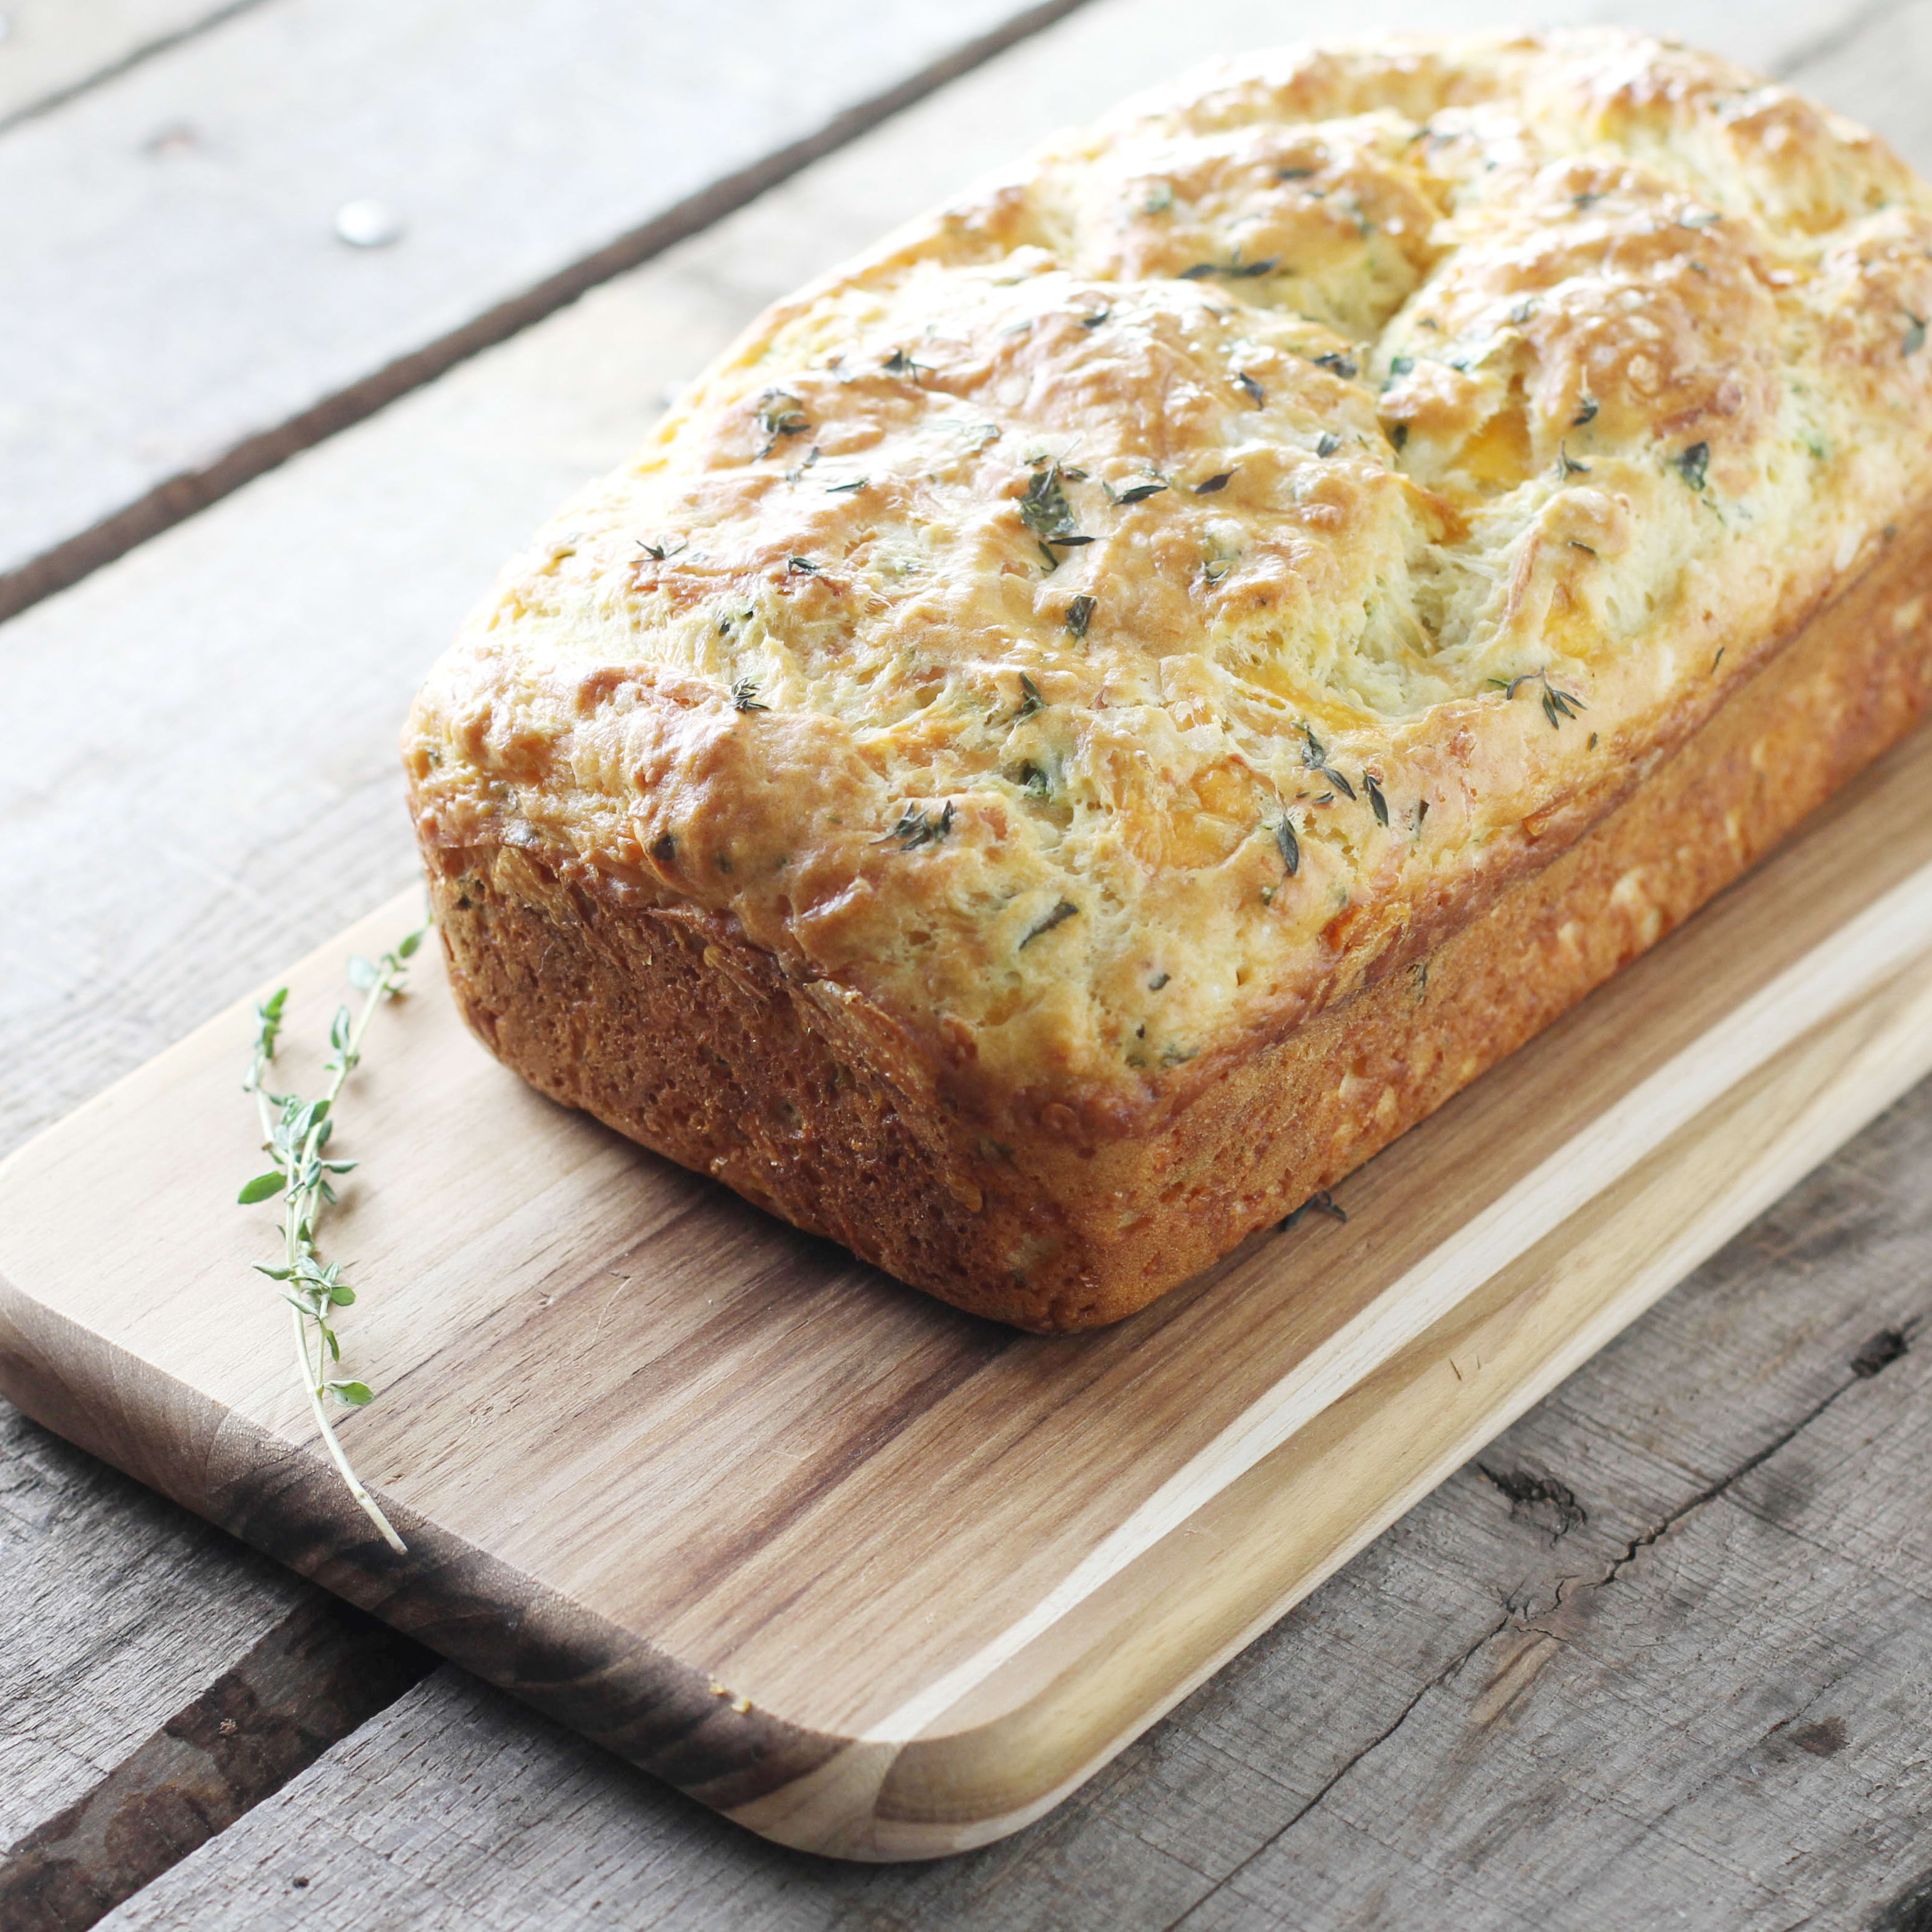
1558 704
1045 512
296 1133
1315 756
1060 915
918 827
1692 464
1288 845
1234 269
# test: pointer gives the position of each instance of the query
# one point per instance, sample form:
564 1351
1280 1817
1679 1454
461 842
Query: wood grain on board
355 564
873 1577
1729 1727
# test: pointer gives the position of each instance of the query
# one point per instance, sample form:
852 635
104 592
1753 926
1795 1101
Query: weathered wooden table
1661 1657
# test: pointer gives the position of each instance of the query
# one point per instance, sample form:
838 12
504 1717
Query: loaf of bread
1090 719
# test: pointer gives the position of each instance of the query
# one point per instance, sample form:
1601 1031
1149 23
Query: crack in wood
1443 1676
319 1675
1887 1346
1884 1348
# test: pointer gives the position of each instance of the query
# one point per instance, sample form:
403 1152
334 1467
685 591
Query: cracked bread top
1197 569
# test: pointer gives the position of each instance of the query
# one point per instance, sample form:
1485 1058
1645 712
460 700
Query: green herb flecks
1378 801
657 552
800 566
1327 443
1079 615
1060 915
780 416
1692 464
1558 704
296 1133
917 826
1045 512
745 695
1137 493
1339 364
1586 412
1215 484
1249 387
1567 466
1030 700
1914 336
847 489
898 363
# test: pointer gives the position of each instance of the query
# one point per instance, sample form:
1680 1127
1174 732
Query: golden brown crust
1058 672
1100 628
668 1024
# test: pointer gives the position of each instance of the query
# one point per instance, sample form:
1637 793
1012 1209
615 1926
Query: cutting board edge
829 1794
848 1807
286 1500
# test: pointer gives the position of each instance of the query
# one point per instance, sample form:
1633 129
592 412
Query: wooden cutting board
871 1576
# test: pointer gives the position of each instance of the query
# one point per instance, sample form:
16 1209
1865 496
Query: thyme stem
296 1133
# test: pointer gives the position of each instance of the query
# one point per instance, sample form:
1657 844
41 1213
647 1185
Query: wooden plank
308 1682
178 284
50 49
116 1590
170 918
1697 1769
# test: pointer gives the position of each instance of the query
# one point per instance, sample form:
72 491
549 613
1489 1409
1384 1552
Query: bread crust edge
666 1023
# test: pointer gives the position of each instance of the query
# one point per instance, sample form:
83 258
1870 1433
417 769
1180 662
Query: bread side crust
669 1025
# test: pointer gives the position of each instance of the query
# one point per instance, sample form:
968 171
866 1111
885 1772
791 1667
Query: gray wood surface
109 1597
182 312
50 49
306 1684
222 768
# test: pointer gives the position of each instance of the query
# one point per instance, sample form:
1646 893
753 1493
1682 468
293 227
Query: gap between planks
169 499
54 51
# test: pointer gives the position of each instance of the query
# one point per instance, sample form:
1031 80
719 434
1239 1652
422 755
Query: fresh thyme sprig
296 1133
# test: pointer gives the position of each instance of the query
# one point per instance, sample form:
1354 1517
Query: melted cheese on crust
1126 610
